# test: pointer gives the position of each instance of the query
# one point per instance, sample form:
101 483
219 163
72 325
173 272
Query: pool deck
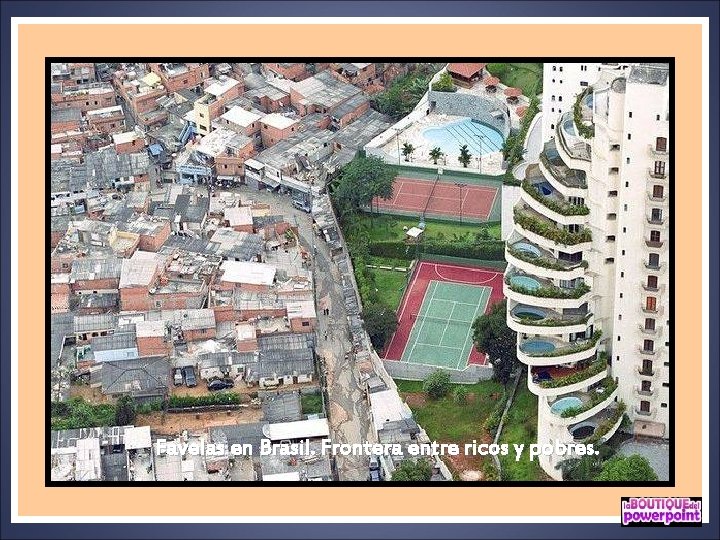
491 163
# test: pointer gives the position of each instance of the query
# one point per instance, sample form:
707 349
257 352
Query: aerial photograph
359 272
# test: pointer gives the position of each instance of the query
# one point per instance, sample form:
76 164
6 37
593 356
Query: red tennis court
440 198
425 273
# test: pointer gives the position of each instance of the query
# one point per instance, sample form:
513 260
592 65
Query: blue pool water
480 138
537 346
527 248
565 403
525 282
528 312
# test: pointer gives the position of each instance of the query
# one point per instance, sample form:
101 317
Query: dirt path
175 423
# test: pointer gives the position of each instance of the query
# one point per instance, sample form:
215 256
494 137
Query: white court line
493 203
447 323
494 275
434 287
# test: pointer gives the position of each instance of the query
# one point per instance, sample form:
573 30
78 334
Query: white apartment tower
587 280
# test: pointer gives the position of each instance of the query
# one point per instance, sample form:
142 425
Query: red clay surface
426 272
448 199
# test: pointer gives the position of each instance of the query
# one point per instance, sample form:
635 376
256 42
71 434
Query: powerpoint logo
659 511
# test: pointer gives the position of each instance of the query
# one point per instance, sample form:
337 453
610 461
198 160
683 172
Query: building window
657 117
305 323
646 385
655 236
659 168
629 136
559 98
651 303
158 303
654 260
620 317
609 260
612 217
561 68
554 68
627 161
621 295
661 144
648 345
658 192
622 274
610 238
652 282
612 193
647 366
656 214
552 98
629 114
552 126
663 405
650 324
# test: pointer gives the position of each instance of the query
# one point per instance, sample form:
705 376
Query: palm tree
407 150
465 155
435 154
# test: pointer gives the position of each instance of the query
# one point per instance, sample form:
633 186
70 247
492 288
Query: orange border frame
38 41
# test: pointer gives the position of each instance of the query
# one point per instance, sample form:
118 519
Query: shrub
444 83
218 398
593 369
635 468
490 251
543 262
607 425
412 471
125 411
437 385
549 231
492 422
608 386
585 131
563 208
460 394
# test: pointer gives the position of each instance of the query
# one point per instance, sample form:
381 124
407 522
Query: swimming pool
480 138
582 431
564 404
529 249
525 282
527 312
537 346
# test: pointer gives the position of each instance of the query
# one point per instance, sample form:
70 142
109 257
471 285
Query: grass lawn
447 421
526 76
311 403
390 227
390 285
521 427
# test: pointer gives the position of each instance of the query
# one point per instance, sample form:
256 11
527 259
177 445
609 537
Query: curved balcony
535 291
533 259
541 197
653 332
600 427
544 232
659 267
657 311
547 351
573 150
580 406
569 182
654 244
529 319
554 381
656 175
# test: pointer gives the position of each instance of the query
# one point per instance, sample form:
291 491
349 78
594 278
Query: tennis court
442 330
446 196
436 315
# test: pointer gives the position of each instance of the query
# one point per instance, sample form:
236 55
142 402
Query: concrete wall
418 372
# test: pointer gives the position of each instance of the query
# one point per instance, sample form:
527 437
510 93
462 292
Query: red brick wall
153 242
355 114
60 264
96 284
60 297
297 326
88 102
176 300
113 124
134 299
271 135
199 335
153 346
136 145
295 72
191 78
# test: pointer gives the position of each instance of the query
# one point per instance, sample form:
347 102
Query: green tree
380 323
465 156
585 468
493 337
125 411
435 154
407 150
437 384
360 181
633 468
412 471
444 83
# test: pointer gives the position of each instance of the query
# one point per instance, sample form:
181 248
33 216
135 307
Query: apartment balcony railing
556 204
655 244
648 288
652 198
657 175
655 220
541 258
649 414
545 228
656 267
645 351
647 393
657 152
650 373
568 177
657 310
656 332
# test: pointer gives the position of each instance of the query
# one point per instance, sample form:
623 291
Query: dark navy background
269 530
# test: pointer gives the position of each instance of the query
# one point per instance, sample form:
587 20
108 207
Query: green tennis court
442 331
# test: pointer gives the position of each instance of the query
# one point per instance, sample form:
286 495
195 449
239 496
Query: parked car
190 379
178 377
220 384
